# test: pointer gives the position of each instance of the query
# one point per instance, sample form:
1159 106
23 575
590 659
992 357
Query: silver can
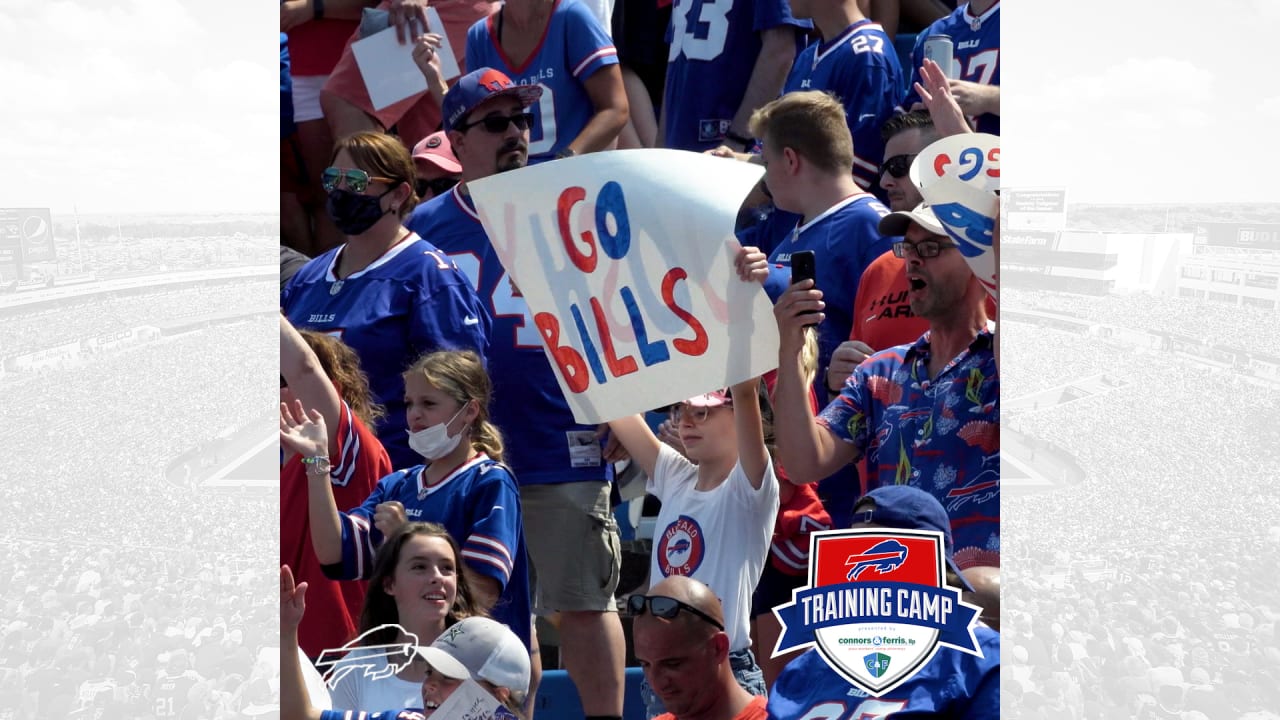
939 49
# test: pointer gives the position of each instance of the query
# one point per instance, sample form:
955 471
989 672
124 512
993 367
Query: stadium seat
558 698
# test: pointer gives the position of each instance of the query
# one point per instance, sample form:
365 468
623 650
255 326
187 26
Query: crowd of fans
544 80
128 597
1144 590
102 315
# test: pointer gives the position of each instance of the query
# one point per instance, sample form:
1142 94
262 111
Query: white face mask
435 442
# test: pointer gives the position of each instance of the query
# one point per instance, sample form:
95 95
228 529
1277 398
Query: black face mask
354 213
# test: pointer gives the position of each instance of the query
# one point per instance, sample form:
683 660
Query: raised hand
935 89
293 599
301 432
409 18
388 517
751 264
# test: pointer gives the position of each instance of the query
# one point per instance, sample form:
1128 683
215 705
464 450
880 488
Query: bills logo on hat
877 606
681 547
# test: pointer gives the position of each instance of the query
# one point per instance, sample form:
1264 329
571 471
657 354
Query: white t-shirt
720 537
356 691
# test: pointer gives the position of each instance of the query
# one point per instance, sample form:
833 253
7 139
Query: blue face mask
354 213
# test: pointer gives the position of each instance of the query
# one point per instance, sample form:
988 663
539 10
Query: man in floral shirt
924 414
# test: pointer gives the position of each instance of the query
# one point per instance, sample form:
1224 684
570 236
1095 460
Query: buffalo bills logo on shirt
877 606
884 558
681 547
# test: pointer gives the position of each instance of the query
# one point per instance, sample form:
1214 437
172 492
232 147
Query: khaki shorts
573 546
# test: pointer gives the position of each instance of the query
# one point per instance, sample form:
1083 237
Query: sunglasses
439 186
498 123
897 166
924 249
664 607
356 180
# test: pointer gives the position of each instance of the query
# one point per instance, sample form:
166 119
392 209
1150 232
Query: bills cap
907 508
479 85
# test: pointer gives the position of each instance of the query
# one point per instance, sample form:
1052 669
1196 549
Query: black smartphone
802 268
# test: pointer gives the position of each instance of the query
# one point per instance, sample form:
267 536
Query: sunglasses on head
356 180
897 166
498 123
664 607
439 186
924 249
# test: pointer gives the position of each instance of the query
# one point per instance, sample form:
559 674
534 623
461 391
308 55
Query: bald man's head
986 592
686 658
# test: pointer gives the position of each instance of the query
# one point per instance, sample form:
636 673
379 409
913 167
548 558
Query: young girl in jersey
418 585
718 507
321 376
462 485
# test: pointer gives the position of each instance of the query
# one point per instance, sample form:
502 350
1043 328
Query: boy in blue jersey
953 684
564 480
974 29
727 58
807 155
855 62
561 47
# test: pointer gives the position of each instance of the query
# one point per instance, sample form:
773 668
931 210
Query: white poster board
625 260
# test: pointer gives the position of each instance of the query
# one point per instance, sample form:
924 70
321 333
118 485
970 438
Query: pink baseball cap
435 149
715 399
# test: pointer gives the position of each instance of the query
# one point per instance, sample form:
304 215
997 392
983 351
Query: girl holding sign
718 507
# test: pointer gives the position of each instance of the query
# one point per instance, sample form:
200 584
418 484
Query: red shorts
416 116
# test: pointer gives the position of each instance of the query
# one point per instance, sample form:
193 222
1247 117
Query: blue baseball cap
908 508
479 85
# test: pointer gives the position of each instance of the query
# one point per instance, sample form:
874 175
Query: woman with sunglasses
390 295
718 507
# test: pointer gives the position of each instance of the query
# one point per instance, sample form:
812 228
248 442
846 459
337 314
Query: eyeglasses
897 166
439 186
356 180
924 249
498 123
664 607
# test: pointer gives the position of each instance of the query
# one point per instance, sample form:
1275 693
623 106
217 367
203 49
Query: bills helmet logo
884 558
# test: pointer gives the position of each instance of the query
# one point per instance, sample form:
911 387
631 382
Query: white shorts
306 97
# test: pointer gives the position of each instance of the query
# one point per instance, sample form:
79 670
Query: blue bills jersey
574 47
479 504
858 66
953 685
544 443
714 44
845 240
410 301
975 43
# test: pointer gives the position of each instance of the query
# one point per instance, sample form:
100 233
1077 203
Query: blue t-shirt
479 504
544 443
858 66
714 45
975 49
573 47
410 301
953 684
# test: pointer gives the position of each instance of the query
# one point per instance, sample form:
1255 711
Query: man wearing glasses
682 647
924 414
564 480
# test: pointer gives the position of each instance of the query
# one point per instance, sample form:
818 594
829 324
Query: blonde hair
461 375
809 356
812 123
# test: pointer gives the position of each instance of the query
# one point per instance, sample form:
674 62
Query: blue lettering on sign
651 352
978 228
611 202
973 155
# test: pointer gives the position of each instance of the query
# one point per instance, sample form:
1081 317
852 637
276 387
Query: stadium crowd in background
542 80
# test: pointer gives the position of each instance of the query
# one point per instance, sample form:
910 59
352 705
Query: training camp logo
877 606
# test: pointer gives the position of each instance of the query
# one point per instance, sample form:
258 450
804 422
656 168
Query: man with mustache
564 480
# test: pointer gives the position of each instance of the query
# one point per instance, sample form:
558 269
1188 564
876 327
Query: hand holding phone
803 268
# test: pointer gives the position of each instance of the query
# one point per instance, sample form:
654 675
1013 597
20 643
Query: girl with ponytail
462 485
